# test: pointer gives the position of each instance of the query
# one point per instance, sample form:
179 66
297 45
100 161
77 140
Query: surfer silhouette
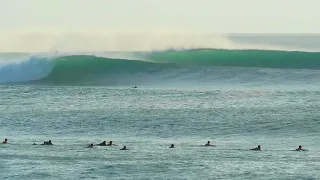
256 149
300 149
90 146
47 143
124 148
5 141
208 144
104 143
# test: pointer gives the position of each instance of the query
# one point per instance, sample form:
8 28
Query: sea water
236 108
147 121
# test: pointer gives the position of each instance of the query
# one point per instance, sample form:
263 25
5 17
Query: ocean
235 98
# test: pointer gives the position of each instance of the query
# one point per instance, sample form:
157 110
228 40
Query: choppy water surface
147 120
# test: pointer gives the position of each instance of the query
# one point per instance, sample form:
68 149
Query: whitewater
237 98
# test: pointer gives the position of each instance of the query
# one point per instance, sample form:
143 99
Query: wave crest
161 65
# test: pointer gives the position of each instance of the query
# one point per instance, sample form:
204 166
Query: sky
24 20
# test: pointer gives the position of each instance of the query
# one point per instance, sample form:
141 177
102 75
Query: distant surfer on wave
300 149
134 87
5 141
256 149
172 146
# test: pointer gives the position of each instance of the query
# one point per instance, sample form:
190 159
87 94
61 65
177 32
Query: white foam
32 68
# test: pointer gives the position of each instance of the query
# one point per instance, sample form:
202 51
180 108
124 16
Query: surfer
5 141
300 149
47 143
110 144
134 87
90 146
172 146
104 143
124 148
256 149
208 144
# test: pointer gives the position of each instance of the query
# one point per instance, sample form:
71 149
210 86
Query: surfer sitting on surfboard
256 149
300 149
124 148
47 143
111 144
90 146
5 141
104 143
208 144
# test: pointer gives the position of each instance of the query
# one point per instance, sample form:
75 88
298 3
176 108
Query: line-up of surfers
104 143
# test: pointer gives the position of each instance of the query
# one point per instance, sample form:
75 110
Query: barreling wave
92 70
86 69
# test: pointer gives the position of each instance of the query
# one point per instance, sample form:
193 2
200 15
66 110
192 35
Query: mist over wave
102 40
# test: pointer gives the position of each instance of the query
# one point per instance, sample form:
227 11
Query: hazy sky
48 25
191 15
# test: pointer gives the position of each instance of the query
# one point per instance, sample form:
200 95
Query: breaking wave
165 65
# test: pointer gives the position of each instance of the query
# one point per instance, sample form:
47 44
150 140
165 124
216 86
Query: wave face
241 58
93 70
198 65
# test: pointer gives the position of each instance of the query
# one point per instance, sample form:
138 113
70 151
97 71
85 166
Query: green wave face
189 65
86 69
240 58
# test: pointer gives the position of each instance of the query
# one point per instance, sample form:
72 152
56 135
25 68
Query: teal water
147 120
237 99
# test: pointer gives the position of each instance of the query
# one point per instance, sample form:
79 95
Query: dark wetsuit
124 148
102 144
90 146
256 149
47 143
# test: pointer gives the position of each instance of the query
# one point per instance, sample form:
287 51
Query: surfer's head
300 147
208 142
